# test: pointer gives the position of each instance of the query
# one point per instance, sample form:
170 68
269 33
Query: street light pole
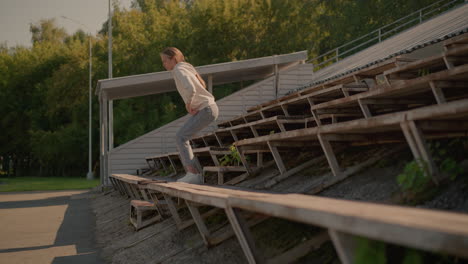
90 175
111 103
109 23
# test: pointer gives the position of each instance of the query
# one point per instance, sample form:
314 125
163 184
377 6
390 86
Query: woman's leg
193 125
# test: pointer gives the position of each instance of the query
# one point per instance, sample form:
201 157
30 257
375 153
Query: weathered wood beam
199 222
365 109
345 245
277 157
438 93
243 235
338 111
328 150
301 250
293 144
424 149
395 101
443 126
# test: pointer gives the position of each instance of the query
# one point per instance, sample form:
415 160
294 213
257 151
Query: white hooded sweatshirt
190 88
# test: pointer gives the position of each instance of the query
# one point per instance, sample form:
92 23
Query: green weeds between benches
18 184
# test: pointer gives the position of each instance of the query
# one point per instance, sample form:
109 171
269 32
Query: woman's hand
190 110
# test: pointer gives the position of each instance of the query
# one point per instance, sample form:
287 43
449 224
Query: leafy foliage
232 159
415 176
370 252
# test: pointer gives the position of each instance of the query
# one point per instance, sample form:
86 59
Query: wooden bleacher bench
447 232
144 210
349 79
304 101
365 130
143 213
447 60
457 41
403 93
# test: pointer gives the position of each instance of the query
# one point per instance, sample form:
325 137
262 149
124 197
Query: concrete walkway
47 227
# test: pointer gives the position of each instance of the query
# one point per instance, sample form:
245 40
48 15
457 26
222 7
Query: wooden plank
301 250
205 234
378 101
438 94
331 158
365 109
277 157
116 185
440 125
345 245
338 111
243 235
281 126
461 39
423 149
411 141
347 137
124 188
173 210
285 109
234 135
448 62
401 87
129 190
225 168
380 122
411 227
136 191
292 144
254 131
172 164
186 191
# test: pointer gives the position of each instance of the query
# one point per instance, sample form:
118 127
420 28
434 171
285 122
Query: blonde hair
173 52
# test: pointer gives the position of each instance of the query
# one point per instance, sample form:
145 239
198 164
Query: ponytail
173 52
201 80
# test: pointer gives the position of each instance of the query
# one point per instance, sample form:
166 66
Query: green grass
45 184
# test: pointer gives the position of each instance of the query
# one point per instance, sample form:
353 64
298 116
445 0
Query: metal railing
383 33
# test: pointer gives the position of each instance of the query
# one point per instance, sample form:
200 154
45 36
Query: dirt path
47 227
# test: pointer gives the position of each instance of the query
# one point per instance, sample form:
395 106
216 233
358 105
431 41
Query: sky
17 15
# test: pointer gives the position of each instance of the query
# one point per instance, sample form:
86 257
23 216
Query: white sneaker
191 178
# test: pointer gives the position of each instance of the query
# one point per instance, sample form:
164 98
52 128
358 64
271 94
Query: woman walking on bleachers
199 102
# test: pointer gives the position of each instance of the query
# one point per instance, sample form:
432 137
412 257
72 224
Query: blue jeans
194 125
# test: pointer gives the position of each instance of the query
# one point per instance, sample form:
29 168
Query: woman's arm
190 110
188 81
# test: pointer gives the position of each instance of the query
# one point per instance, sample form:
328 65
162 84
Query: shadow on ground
77 227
